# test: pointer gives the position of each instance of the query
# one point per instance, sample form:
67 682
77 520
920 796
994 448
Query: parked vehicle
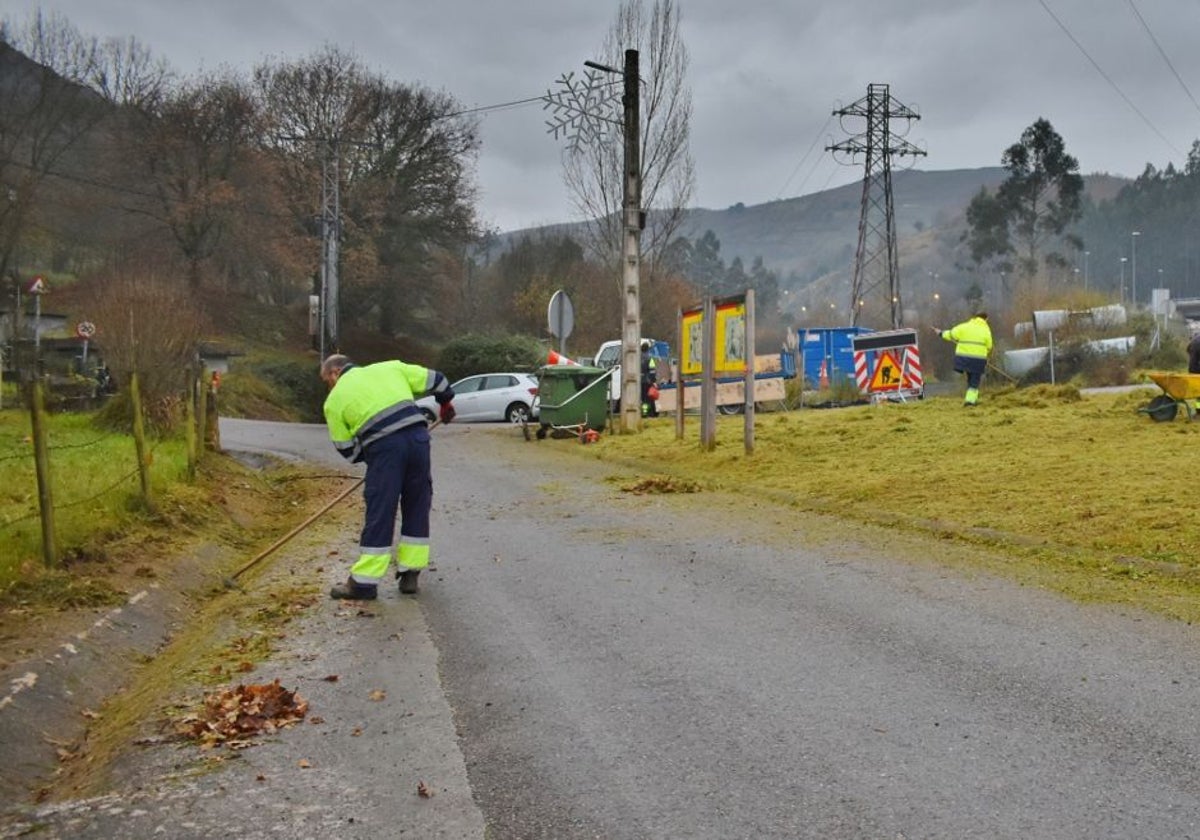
511 397
609 356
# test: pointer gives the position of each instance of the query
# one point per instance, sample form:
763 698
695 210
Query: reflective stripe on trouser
398 477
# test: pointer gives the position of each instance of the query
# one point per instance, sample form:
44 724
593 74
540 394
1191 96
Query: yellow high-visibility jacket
972 338
370 402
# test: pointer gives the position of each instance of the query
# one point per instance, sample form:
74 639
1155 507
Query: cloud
764 76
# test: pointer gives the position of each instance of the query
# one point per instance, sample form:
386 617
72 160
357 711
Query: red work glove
446 412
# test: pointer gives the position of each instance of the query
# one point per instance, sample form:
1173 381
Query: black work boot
408 581
352 590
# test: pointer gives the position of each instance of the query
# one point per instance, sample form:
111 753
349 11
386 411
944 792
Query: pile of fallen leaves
662 484
233 717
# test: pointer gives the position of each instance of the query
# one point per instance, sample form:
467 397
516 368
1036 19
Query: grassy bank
1086 495
95 486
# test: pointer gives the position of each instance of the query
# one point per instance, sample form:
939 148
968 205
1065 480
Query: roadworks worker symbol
887 373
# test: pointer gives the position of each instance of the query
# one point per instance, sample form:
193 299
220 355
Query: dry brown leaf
316 719
423 790
243 667
331 678
377 695
260 778
304 764
355 732
89 714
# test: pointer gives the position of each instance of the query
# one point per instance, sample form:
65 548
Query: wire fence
66 473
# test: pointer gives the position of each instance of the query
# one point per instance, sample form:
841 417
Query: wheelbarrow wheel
1162 408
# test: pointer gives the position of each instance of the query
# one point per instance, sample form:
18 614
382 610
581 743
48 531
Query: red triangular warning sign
887 373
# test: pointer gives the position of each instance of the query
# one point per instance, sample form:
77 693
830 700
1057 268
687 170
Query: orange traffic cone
823 376
554 358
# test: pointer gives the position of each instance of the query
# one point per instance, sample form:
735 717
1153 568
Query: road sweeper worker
1193 351
372 418
972 344
649 381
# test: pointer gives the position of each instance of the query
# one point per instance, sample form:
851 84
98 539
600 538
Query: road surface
613 665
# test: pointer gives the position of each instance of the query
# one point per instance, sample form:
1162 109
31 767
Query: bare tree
44 113
125 72
196 149
594 172
56 122
405 174
149 324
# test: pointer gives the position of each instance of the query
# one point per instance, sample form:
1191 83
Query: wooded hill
810 241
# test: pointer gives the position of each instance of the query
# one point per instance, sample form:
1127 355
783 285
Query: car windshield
608 356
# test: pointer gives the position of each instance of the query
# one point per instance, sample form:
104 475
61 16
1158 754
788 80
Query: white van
609 356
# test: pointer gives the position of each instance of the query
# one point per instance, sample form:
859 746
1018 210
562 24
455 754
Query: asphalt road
610 665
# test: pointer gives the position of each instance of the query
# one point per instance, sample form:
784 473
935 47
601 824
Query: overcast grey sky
765 75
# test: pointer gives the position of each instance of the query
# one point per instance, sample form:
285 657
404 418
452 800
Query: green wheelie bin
572 398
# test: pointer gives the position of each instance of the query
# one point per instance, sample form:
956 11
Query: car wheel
429 415
731 409
517 413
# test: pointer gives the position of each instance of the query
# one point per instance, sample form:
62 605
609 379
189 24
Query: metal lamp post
1133 281
1123 261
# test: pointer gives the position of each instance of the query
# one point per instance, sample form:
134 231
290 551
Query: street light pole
1133 281
1123 261
1085 268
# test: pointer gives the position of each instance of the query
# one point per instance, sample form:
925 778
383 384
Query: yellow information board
729 335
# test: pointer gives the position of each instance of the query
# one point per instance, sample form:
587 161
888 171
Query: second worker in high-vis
972 344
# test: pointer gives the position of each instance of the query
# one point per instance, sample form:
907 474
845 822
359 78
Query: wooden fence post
201 414
189 423
41 458
212 425
139 438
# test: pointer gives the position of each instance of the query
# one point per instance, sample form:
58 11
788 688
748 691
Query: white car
511 397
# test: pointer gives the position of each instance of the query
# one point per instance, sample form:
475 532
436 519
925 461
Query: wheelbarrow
1178 389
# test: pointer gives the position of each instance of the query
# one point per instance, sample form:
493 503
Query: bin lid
569 370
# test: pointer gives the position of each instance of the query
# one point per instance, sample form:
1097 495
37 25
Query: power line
817 139
498 107
1108 79
1163 53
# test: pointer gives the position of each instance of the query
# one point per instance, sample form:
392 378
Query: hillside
809 236
810 240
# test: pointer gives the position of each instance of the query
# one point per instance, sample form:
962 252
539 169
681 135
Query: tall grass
94 483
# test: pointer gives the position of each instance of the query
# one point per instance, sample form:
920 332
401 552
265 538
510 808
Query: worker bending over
373 417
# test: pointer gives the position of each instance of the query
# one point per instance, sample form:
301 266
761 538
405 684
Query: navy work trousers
398 476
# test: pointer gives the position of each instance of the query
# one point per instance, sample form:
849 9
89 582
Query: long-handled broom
231 580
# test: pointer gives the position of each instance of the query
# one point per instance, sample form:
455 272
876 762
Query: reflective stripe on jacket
367 403
971 338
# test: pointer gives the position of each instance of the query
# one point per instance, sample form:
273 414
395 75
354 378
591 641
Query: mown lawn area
1084 494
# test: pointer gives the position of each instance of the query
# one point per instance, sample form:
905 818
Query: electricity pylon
876 262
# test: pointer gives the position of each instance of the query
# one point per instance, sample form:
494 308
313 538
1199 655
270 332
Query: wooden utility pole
631 333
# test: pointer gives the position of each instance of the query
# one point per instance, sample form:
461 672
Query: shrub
473 354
